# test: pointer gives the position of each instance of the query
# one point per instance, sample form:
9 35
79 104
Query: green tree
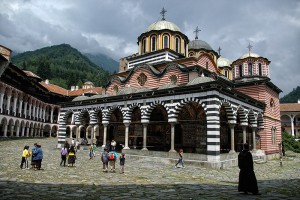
43 69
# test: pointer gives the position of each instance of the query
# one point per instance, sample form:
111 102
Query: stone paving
143 179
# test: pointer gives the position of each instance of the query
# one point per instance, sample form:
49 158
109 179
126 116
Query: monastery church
177 93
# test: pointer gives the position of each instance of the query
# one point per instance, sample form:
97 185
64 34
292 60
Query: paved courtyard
143 179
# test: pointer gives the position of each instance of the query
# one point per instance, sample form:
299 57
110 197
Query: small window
274 135
191 54
272 104
241 71
166 41
177 44
249 69
259 69
226 73
153 43
144 46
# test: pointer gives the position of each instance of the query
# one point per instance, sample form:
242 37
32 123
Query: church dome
161 25
199 44
251 54
223 62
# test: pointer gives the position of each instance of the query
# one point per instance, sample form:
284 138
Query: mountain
291 97
63 65
104 61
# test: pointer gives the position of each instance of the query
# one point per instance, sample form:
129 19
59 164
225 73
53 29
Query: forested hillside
63 65
104 61
291 97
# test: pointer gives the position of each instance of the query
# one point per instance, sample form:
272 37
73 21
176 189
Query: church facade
180 94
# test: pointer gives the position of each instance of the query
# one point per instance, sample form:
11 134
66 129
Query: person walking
63 153
247 178
72 156
94 147
180 159
122 163
104 159
91 151
25 155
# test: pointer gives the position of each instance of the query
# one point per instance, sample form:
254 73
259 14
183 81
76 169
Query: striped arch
146 112
252 118
94 116
183 102
107 114
231 117
128 111
80 115
242 114
65 116
260 121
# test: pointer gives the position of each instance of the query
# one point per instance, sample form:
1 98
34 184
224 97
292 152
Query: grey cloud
272 26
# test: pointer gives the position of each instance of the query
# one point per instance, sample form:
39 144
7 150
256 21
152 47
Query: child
25 155
104 159
180 160
122 163
63 153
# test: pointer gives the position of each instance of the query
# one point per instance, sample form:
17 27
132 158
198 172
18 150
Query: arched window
273 135
191 54
153 43
259 69
249 69
177 44
144 45
166 41
241 71
226 73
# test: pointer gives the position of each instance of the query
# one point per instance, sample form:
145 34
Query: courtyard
146 178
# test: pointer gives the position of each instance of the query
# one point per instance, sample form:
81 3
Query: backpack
64 151
104 157
112 156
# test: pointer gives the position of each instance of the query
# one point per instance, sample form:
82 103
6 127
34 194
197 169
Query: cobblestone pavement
143 179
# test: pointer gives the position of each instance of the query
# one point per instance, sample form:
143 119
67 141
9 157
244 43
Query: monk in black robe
247 179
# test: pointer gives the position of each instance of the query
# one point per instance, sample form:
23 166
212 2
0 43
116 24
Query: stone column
31 132
20 108
17 131
244 134
254 139
172 137
77 132
73 119
33 111
15 105
23 131
27 131
12 130
105 124
126 135
1 102
232 138
30 111
8 104
145 136
51 117
292 125
25 109
5 131
44 115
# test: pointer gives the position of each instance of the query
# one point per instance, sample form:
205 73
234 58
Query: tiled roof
288 107
54 88
60 90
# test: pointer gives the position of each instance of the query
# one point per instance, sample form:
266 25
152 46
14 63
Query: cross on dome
249 47
163 11
219 50
196 32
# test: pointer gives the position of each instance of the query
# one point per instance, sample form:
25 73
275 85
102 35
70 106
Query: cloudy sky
112 27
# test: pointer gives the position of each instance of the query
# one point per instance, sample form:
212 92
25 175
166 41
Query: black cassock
247 179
